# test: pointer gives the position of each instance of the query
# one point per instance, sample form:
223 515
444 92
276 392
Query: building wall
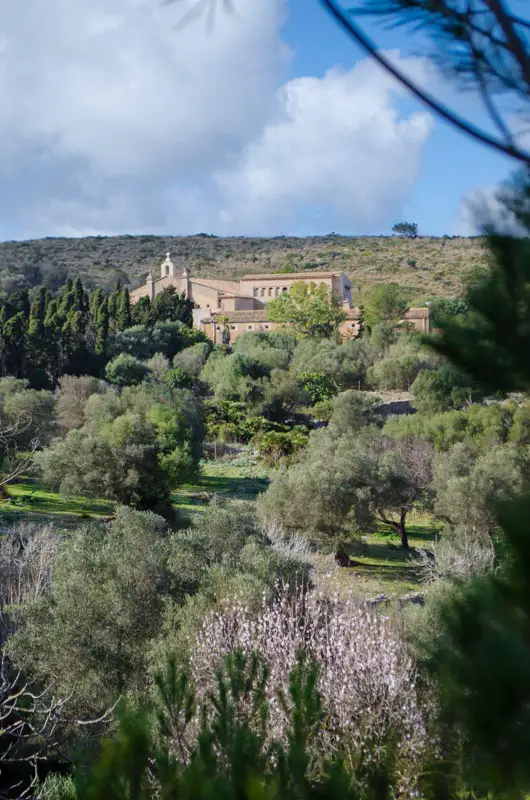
231 303
349 329
204 296
267 289
214 330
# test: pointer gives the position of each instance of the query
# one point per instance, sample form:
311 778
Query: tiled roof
417 313
230 287
290 276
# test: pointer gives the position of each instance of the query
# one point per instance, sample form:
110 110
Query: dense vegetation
158 653
426 266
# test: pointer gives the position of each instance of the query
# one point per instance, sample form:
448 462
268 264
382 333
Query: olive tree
90 632
347 482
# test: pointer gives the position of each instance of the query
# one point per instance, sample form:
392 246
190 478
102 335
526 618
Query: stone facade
226 309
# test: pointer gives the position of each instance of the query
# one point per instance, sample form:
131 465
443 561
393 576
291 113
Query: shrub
318 385
275 446
126 370
366 678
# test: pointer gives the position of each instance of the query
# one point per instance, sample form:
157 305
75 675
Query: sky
116 119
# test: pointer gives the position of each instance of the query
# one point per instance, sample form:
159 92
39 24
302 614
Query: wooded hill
426 266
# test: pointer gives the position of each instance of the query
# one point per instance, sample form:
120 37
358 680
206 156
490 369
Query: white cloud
112 121
338 143
485 207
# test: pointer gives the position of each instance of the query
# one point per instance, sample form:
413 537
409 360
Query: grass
379 564
29 499
225 479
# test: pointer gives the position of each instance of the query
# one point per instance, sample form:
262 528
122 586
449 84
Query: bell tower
167 268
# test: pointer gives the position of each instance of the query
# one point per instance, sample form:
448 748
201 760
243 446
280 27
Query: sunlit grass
28 497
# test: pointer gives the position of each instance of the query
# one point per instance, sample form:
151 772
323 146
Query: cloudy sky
114 119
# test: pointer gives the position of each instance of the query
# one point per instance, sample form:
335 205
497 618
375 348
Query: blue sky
271 122
452 165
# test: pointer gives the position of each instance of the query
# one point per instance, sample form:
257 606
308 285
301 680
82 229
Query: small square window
266 327
249 327
233 327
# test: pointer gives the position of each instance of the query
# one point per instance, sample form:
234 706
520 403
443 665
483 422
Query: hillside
426 266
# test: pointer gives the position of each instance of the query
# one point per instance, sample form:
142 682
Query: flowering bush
366 677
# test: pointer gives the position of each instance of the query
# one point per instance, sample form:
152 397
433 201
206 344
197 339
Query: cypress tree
123 311
79 295
97 299
142 312
102 327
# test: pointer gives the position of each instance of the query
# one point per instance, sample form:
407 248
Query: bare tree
26 558
13 460
31 735
28 732
481 43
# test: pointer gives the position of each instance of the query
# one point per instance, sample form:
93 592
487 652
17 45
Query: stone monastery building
226 309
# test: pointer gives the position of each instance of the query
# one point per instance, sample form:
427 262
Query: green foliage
30 412
489 342
520 428
442 389
276 446
74 392
442 308
133 447
400 365
234 377
483 425
91 633
345 482
192 359
58 787
178 378
310 309
407 229
353 410
169 306
318 385
480 653
126 370
480 661
385 303
234 722
76 332
345 363
468 485
272 350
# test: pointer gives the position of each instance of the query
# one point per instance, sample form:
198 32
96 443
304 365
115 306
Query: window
270 291
263 292
266 327
255 292
284 289
249 327
233 327
277 291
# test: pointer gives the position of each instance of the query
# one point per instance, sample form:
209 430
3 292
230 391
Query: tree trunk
404 536
402 530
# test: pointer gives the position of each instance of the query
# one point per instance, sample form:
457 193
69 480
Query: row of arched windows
269 291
